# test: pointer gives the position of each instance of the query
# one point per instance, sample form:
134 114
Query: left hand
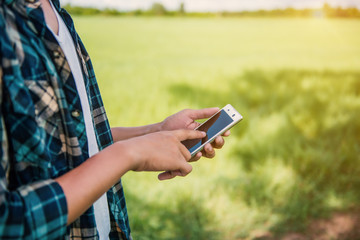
185 119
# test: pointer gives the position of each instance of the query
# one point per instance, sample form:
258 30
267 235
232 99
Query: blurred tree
158 9
111 12
182 8
328 10
338 12
137 12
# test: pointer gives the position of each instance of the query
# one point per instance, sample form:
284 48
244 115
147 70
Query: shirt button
56 54
75 113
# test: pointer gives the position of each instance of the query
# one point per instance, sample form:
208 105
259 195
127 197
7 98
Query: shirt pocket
47 115
48 131
44 101
35 128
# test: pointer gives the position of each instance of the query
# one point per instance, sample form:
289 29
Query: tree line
158 9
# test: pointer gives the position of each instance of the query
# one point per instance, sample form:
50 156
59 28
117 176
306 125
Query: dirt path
341 226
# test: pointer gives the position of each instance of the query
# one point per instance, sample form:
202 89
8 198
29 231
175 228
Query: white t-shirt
67 45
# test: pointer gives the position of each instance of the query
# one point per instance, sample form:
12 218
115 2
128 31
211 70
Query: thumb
185 170
203 113
184 134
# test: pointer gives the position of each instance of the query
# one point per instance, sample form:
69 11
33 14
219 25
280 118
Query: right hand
186 119
162 151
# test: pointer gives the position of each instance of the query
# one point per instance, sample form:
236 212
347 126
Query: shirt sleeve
34 211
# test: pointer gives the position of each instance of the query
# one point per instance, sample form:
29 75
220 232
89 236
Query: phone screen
212 127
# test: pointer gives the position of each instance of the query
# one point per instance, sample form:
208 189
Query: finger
185 169
193 125
208 151
185 134
185 152
218 143
196 157
165 176
168 175
226 133
203 113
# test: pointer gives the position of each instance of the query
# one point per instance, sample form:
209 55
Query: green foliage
182 8
310 130
339 12
302 146
157 9
75 10
293 158
184 219
288 12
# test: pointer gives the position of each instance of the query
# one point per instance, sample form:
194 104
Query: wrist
129 154
124 157
152 128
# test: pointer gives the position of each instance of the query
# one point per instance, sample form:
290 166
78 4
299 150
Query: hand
162 151
185 119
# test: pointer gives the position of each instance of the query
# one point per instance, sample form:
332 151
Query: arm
185 119
161 151
123 133
42 209
155 147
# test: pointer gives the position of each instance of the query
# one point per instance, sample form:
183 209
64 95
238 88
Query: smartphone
216 125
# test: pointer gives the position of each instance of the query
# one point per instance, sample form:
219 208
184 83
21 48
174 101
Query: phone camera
233 115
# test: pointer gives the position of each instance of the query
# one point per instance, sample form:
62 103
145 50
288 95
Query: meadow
294 158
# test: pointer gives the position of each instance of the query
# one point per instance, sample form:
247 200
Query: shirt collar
27 7
31 10
56 4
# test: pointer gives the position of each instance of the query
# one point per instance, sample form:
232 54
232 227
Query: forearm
123 133
85 184
161 151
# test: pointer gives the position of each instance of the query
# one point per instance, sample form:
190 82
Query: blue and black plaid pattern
41 137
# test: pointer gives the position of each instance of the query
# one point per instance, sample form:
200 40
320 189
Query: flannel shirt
42 130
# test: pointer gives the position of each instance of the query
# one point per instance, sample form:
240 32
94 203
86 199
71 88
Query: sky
212 5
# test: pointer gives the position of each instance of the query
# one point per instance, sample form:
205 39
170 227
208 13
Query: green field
295 156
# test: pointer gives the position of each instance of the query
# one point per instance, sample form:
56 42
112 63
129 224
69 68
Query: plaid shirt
42 130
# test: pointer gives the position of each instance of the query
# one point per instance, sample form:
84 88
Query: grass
293 158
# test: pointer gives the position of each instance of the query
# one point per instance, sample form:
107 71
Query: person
61 163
